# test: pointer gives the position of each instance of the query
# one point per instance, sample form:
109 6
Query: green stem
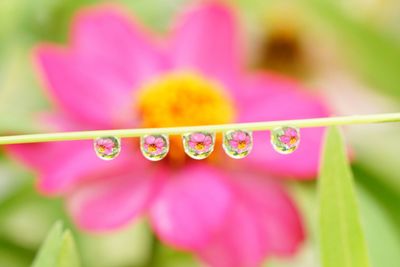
154 252
252 126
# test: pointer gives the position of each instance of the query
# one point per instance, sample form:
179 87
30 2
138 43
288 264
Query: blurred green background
349 50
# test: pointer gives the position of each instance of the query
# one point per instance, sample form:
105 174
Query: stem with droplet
251 126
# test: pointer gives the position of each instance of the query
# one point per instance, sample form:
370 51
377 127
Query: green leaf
68 254
342 239
58 250
386 195
384 245
47 255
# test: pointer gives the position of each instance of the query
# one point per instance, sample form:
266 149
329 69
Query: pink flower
289 137
154 145
200 142
240 141
230 214
105 145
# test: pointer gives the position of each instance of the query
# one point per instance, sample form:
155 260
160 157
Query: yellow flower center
293 140
242 145
101 149
199 146
183 99
152 148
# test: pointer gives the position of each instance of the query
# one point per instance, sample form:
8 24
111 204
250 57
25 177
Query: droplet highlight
107 148
285 140
198 145
237 144
154 147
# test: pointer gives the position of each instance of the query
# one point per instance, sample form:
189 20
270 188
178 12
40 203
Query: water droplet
107 148
237 143
198 145
154 147
285 139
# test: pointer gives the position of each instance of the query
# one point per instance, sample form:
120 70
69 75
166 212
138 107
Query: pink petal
241 136
94 80
150 140
285 139
291 132
234 143
192 144
206 40
62 165
114 197
108 143
159 142
81 88
56 121
108 36
191 206
207 140
197 137
236 136
263 223
109 150
271 97
206 147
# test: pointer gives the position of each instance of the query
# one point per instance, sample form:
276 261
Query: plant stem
154 252
251 126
